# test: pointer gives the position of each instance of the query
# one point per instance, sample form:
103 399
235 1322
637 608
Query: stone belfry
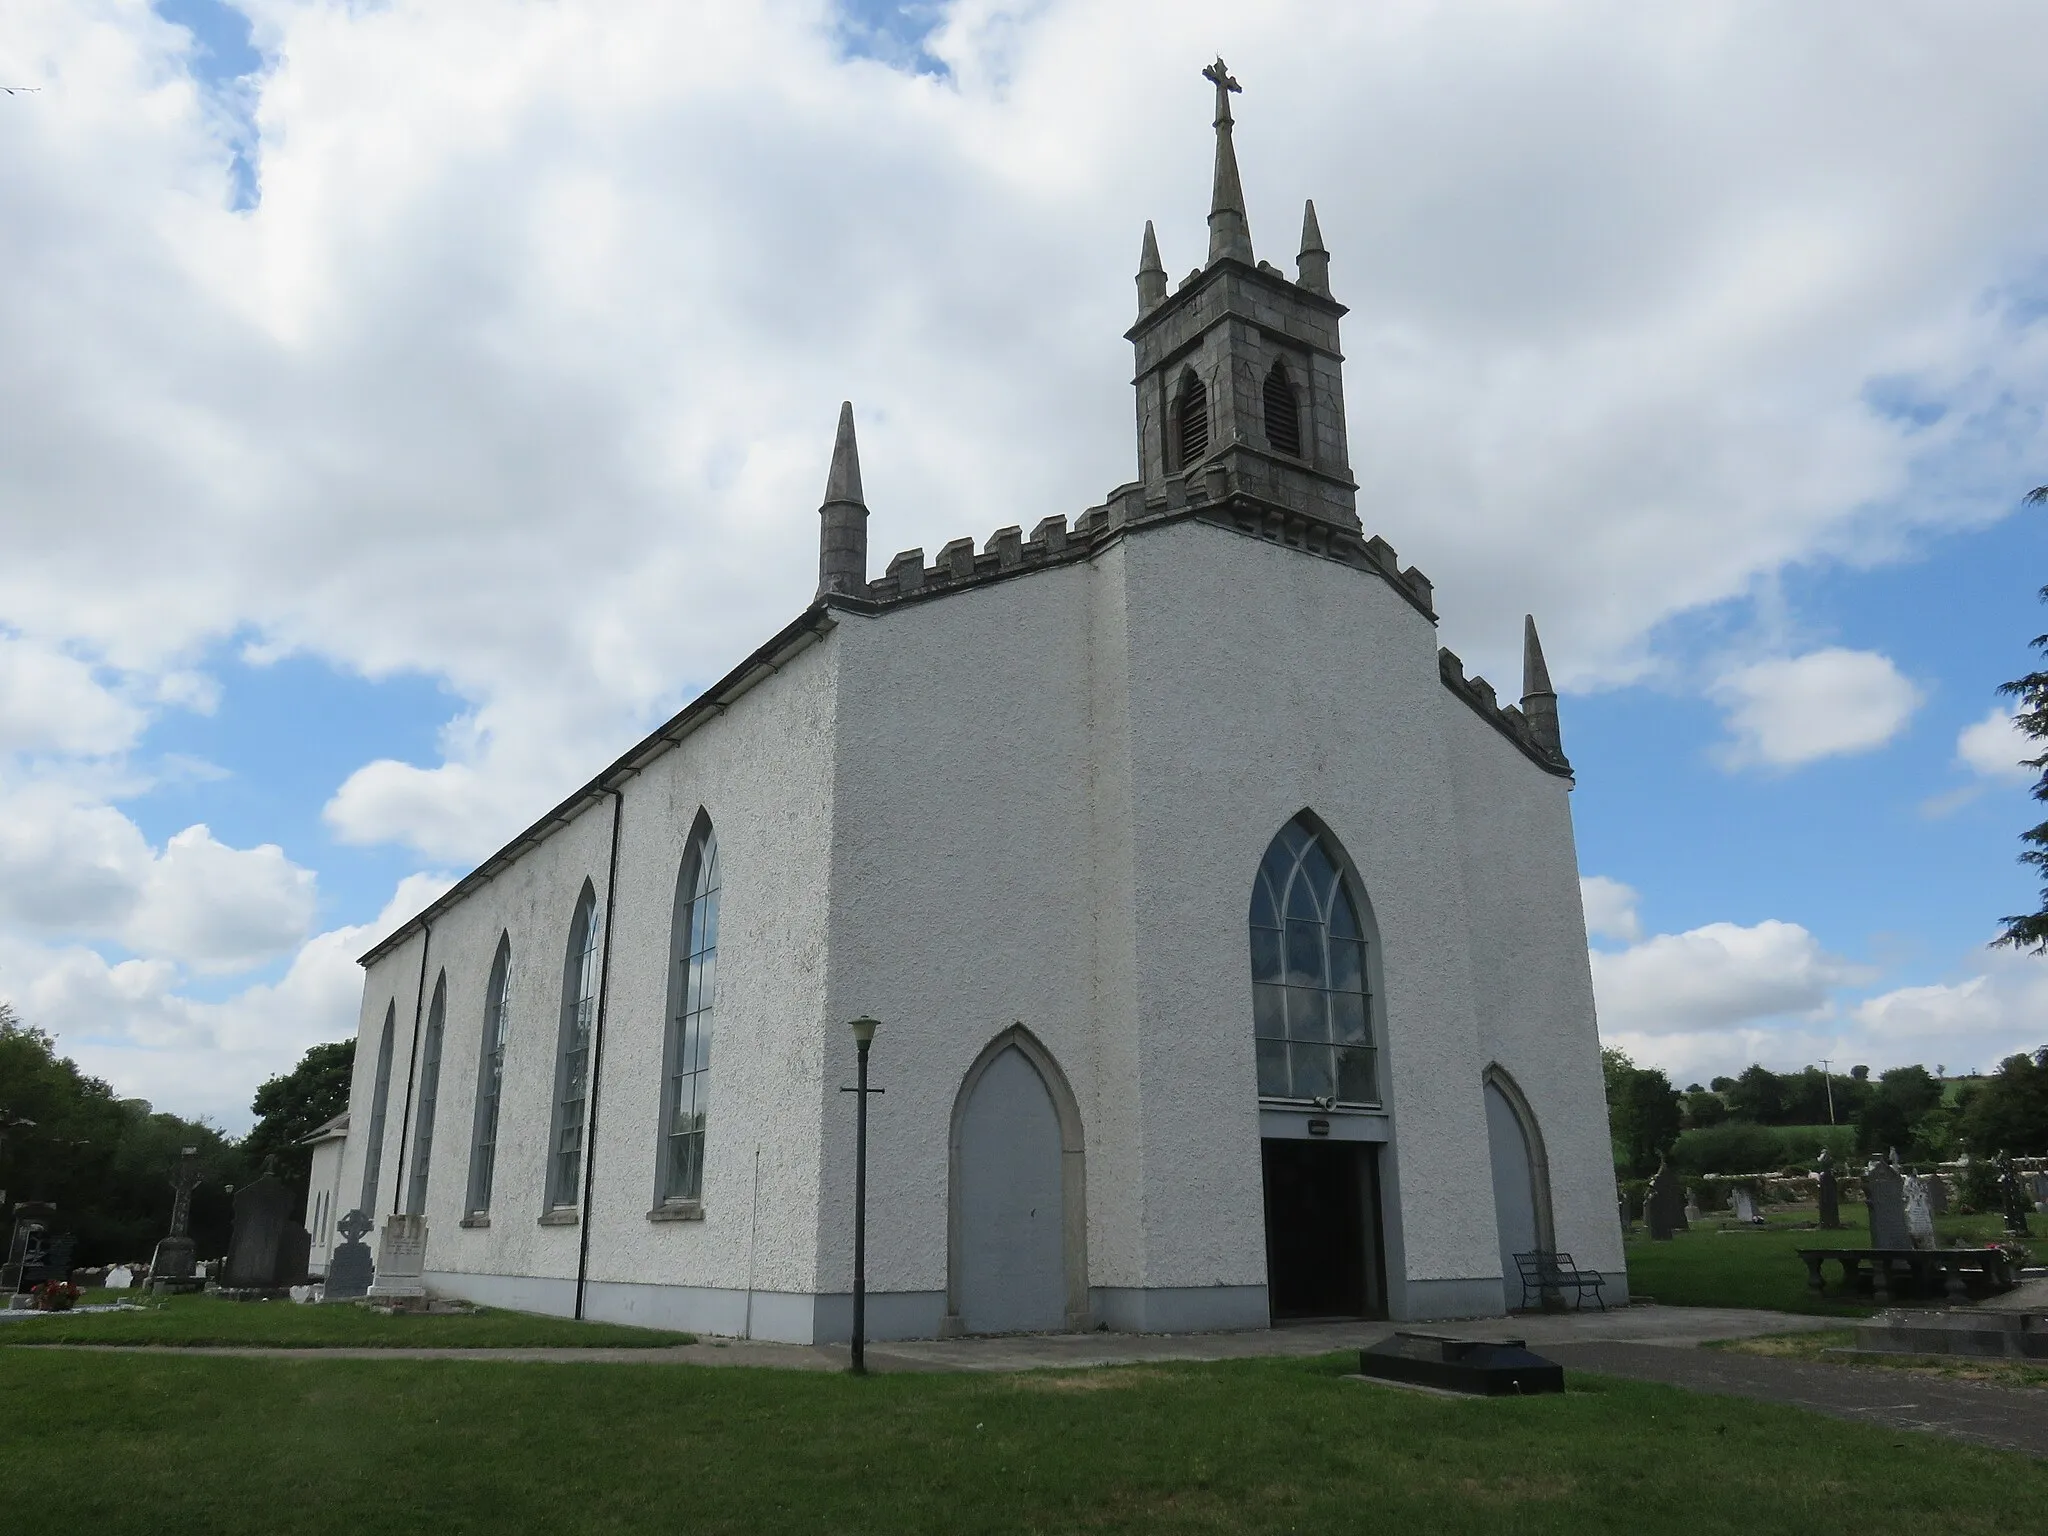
1239 377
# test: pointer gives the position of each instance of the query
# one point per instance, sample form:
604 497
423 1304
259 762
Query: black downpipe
604 988
412 1065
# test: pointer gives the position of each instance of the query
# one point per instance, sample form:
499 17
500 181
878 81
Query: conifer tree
2029 930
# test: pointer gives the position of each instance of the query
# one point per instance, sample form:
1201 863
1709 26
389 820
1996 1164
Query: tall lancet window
1283 412
1311 1012
693 949
430 1094
380 1101
490 1083
1192 408
572 1064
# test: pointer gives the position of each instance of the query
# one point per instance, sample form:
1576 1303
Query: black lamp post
863 1036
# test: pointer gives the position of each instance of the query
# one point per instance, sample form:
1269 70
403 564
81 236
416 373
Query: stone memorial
1693 1212
27 1247
171 1267
401 1259
1937 1194
1664 1207
2037 1186
1830 1195
57 1257
2013 1197
350 1269
119 1278
1919 1214
268 1249
1742 1204
1884 1193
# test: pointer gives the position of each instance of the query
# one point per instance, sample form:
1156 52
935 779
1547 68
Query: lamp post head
864 1030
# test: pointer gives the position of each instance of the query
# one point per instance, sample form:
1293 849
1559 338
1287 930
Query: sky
406 404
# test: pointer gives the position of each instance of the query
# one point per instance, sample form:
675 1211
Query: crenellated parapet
1508 719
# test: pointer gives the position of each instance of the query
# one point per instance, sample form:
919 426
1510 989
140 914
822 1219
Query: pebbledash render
1225 936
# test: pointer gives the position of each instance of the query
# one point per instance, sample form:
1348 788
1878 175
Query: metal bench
1545 1274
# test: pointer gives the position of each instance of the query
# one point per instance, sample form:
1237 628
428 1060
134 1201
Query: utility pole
1828 1081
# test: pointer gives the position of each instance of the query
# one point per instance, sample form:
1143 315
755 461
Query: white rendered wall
1536 1017
1265 682
761 772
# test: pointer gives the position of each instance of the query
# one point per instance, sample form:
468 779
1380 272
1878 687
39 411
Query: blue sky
379 480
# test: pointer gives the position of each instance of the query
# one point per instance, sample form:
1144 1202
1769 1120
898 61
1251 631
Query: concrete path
2011 1418
1679 1326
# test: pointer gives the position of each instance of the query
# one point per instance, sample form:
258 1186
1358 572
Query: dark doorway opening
1322 1229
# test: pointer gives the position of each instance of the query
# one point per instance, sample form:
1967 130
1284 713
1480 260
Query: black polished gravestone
267 1250
351 1268
1664 1206
172 1266
1483 1367
1830 1195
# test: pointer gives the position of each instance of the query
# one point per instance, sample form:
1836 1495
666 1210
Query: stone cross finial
354 1225
1229 231
1219 74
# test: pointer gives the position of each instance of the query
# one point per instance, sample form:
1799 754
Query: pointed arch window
430 1094
1283 412
693 949
1192 409
490 1083
380 1100
572 1057
1311 1011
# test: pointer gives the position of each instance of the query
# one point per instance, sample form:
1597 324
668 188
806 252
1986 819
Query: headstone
401 1258
2037 1185
2014 1198
119 1278
267 1251
171 1267
1937 1194
25 1248
1693 1212
1664 1208
1743 1204
57 1257
1919 1217
1830 1196
350 1269
1884 1193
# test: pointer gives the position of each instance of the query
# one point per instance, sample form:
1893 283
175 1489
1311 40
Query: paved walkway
1641 1324
2011 1418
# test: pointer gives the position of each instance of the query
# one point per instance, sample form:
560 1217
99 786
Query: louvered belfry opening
1283 413
1194 421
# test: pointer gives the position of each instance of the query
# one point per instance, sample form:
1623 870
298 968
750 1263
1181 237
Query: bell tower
1239 376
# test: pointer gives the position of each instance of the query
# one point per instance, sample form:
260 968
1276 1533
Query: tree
2008 1112
2029 930
104 1162
1902 1097
296 1104
1703 1109
1758 1095
1643 1116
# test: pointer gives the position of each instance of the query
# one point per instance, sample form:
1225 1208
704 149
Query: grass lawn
168 1445
1813 1346
1718 1264
201 1319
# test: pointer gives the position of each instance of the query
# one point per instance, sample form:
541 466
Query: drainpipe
604 987
412 1065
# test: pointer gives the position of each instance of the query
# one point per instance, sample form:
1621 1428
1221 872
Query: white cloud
1993 747
72 865
129 1022
497 386
1827 703
1715 977
52 702
1610 908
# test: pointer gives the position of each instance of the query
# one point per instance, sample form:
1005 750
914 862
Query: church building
1225 937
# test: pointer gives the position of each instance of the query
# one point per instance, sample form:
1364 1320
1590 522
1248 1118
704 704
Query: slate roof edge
802 632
